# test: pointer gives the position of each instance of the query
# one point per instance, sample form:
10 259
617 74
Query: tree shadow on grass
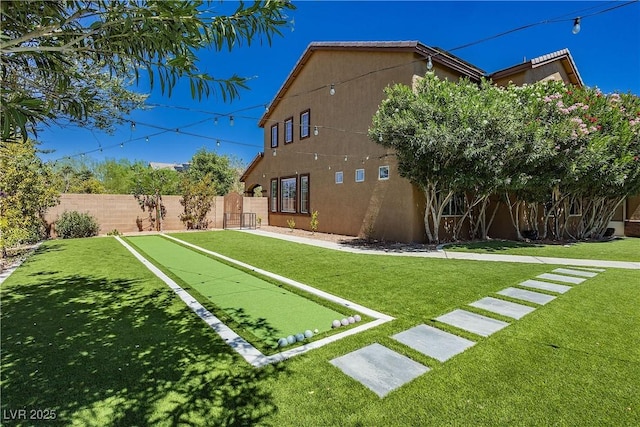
122 352
492 245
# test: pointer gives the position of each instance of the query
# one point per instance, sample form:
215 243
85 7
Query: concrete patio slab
573 272
545 286
433 342
560 278
378 368
472 322
505 308
524 295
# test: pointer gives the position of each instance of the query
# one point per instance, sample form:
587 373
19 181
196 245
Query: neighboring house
317 155
180 167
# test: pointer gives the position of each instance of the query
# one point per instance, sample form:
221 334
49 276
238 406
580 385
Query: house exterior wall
120 211
550 71
390 209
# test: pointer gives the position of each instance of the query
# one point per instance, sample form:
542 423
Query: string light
576 26
315 156
274 152
231 121
218 142
146 139
429 63
215 121
133 126
315 130
122 145
332 91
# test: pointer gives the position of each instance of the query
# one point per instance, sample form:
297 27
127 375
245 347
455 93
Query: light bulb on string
231 121
576 26
133 126
315 156
122 145
218 142
146 139
215 121
429 63
332 91
275 153
345 158
315 130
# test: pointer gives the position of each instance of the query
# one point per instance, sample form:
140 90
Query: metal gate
233 215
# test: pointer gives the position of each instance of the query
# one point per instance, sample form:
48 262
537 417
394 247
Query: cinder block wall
120 211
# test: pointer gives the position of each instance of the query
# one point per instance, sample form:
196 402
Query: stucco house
317 155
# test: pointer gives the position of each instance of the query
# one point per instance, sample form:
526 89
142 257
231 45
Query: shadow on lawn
122 352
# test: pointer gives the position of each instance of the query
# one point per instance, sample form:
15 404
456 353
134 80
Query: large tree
26 192
55 54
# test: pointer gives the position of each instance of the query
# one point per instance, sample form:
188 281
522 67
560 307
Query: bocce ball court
266 309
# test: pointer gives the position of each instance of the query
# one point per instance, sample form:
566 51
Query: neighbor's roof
563 55
175 166
437 56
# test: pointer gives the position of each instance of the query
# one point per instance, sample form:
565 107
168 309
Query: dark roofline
437 55
563 55
251 166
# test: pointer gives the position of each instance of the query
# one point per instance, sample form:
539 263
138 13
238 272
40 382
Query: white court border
251 354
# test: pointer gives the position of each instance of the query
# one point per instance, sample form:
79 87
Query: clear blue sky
606 52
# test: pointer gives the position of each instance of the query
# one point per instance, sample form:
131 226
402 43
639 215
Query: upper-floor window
359 175
288 130
305 124
274 136
339 177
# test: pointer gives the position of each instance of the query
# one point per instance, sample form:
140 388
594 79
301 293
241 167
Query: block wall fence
121 211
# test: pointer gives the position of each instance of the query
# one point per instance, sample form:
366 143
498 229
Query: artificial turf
89 334
273 311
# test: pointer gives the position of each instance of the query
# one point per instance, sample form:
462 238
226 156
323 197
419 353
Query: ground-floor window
288 193
455 206
304 193
274 195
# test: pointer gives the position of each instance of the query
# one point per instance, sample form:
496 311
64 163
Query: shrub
314 222
75 224
291 223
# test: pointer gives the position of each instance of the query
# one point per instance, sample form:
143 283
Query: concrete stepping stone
597 270
575 272
472 322
524 295
505 308
378 368
433 342
560 278
545 286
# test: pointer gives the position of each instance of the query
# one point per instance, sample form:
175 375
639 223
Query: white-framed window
575 206
383 172
304 193
288 130
339 177
274 136
359 175
305 124
288 193
274 195
455 207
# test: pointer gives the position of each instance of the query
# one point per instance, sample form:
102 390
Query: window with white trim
288 193
383 173
339 177
455 206
288 130
359 175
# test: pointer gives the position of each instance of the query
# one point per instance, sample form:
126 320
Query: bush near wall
74 224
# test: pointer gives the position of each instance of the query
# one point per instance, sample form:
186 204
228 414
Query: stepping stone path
505 308
383 370
378 368
433 342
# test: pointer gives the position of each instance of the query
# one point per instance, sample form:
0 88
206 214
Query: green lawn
620 249
90 334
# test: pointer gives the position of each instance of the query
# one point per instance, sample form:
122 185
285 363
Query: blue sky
606 52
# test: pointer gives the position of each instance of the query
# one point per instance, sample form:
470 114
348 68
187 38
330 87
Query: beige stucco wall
550 71
119 211
392 209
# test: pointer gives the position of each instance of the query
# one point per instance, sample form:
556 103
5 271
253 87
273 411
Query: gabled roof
563 55
251 166
437 56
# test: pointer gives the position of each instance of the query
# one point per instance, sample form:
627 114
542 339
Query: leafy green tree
198 197
26 192
56 54
210 167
